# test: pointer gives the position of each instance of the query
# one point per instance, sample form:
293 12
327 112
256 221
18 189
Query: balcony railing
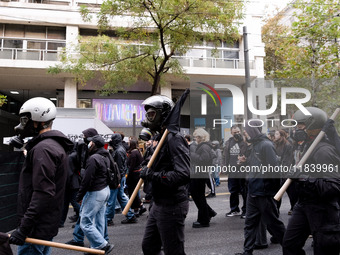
29 54
213 62
92 3
52 55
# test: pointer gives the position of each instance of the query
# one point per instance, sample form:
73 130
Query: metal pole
247 70
134 124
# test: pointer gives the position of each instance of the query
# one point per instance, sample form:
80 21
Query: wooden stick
319 137
140 182
63 246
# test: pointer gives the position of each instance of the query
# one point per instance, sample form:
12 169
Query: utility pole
134 124
247 71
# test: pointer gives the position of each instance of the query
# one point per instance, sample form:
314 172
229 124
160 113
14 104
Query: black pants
320 220
165 226
131 183
237 186
292 194
197 191
264 208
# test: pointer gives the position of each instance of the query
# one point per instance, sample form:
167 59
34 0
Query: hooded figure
254 130
261 188
119 152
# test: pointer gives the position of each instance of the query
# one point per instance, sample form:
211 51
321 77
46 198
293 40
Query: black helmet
159 102
157 109
316 120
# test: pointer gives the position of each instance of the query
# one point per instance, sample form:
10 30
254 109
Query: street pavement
223 237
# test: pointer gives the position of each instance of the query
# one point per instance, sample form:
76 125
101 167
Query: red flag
5 248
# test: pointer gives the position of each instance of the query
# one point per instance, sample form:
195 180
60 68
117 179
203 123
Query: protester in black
94 193
73 182
317 209
285 154
43 178
117 194
234 147
261 188
134 163
169 174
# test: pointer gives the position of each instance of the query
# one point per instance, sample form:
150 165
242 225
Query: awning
72 121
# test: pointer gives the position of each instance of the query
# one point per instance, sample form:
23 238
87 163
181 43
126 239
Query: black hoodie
95 177
119 153
42 184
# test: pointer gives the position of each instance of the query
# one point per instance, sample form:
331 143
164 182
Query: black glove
17 237
329 129
146 174
332 135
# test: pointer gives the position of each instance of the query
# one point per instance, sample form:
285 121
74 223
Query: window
230 54
56 33
13 43
14 30
55 46
37 32
36 45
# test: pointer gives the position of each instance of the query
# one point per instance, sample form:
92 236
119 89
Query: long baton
285 186
63 246
140 182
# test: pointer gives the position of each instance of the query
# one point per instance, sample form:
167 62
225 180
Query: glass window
13 43
56 33
231 45
12 30
55 46
230 54
38 32
36 45
2 29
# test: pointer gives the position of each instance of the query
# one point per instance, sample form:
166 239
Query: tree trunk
155 85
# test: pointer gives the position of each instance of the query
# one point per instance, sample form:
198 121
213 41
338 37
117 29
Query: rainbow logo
209 93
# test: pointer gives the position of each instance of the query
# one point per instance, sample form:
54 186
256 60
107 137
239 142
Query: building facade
33 33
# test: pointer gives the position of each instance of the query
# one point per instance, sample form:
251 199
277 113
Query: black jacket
285 154
134 160
202 159
119 153
42 184
95 176
172 171
262 153
325 186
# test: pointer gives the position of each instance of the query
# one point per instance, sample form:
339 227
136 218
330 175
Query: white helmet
41 109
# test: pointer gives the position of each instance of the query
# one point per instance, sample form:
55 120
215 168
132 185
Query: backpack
113 173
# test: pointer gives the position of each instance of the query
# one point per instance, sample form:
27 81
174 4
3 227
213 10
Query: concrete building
32 33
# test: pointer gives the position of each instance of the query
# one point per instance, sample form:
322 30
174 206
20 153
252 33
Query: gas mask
23 130
153 119
300 135
238 137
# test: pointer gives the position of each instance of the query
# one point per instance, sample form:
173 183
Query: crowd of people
46 189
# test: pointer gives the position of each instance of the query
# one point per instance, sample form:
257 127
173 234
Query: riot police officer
317 209
169 175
